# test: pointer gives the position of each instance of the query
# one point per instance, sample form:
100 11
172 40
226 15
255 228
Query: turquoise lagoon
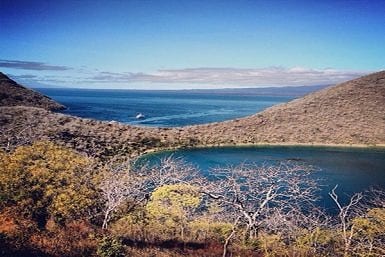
352 169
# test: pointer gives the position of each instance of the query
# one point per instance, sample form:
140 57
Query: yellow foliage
272 245
307 242
369 233
171 207
172 202
373 224
206 229
46 179
141 226
133 226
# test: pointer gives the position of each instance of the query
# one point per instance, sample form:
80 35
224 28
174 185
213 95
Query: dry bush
76 238
16 230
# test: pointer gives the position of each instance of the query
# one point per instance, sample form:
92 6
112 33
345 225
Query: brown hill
23 125
349 113
12 94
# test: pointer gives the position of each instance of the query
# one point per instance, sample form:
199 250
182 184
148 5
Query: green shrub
110 247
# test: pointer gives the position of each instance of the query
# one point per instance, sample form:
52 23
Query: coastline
262 145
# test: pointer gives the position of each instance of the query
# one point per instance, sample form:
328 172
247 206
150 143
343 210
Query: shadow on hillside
167 244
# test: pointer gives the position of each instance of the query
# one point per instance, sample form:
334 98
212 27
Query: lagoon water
353 169
162 108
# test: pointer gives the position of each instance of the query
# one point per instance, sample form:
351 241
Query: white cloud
233 77
201 78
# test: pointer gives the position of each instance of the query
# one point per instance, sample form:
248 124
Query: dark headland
351 113
13 94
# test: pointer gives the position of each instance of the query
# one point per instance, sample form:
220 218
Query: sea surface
163 108
352 169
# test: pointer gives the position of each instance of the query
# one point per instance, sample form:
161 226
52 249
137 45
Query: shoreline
249 145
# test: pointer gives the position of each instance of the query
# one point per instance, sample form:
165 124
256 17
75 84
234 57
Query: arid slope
349 113
13 94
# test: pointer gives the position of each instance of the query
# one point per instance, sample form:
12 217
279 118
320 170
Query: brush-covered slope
20 125
12 94
352 112
349 113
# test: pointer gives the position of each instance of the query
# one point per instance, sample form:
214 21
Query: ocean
165 108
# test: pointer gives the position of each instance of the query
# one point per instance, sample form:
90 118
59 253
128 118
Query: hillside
13 94
349 113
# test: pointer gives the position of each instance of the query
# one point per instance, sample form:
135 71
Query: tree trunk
105 220
226 244
251 232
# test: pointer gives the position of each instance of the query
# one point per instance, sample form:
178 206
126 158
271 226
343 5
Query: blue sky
190 44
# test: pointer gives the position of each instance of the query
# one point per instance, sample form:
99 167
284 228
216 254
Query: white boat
140 116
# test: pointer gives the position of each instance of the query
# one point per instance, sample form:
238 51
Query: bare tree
230 236
256 193
169 170
118 186
345 218
129 182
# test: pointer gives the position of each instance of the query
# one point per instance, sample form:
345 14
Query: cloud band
175 78
274 76
27 65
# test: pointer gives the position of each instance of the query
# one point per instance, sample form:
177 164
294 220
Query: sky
190 43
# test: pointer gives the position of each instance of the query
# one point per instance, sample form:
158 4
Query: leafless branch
257 193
